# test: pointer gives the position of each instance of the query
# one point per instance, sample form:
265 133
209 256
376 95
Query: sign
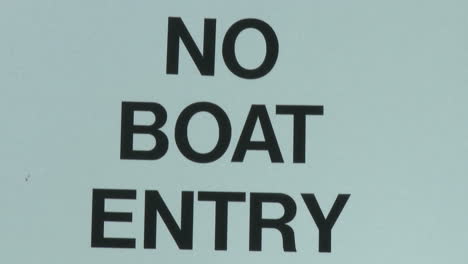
233 132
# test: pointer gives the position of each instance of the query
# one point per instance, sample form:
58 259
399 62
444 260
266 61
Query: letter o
181 136
272 48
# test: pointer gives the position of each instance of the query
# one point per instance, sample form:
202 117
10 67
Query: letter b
128 129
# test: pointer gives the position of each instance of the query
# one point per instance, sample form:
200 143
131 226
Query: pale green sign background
392 76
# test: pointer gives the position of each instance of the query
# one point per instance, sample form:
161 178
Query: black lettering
299 113
182 235
258 112
99 216
221 200
257 223
325 225
128 128
224 138
177 31
272 48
